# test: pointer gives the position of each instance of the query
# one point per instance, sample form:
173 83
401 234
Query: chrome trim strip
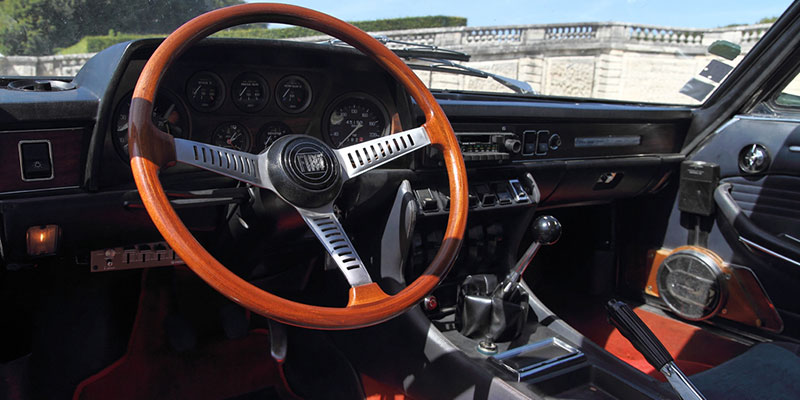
762 118
753 245
39 190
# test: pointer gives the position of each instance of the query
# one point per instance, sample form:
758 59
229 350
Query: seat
766 371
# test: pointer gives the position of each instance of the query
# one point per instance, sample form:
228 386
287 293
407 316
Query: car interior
259 219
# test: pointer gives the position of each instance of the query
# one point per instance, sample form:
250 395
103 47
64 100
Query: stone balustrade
606 60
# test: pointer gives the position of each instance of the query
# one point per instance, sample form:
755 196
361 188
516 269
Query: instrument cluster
248 114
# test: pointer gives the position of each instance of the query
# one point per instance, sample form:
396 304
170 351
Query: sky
677 13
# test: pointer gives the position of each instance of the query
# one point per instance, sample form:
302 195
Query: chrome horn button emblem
310 164
304 171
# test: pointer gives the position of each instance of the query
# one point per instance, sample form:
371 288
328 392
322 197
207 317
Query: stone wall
603 60
66 65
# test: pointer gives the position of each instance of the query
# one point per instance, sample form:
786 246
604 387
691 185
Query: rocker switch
35 160
519 192
427 201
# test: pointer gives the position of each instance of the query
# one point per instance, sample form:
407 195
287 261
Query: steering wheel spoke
239 165
362 157
329 231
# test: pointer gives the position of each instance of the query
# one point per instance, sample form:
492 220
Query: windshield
674 52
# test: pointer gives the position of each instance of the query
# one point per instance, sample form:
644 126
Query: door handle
749 233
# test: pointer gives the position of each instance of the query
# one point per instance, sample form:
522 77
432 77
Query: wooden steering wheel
302 170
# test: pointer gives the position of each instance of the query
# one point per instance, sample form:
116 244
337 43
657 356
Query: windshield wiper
412 50
447 66
441 60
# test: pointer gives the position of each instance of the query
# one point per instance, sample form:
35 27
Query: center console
539 356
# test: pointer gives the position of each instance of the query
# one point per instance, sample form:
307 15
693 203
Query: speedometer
355 118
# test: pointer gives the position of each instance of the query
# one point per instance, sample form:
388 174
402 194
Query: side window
790 95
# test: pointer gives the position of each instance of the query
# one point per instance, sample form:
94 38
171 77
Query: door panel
765 209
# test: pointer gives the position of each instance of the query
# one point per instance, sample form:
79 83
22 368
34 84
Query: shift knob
546 229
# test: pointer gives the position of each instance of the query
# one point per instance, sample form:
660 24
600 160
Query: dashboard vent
40 85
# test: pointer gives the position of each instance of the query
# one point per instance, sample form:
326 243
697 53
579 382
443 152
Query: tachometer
249 92
293 94
205 91
169 115
355 118
232 135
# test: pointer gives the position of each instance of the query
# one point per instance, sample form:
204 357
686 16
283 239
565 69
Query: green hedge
92 44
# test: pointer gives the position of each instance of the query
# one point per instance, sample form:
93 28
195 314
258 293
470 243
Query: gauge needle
358 126
233 137
242 93
168 112
196 90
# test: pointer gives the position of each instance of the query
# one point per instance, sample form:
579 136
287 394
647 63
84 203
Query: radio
486 146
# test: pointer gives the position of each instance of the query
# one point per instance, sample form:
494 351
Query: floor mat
150 369
693 349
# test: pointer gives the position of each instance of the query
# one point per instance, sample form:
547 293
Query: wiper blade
447 66
412 50
442 60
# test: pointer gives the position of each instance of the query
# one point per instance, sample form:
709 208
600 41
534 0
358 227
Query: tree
39 27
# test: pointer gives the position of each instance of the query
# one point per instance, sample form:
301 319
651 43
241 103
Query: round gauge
293 94
205 91
249 92
269 133
355 118
169 115
231 135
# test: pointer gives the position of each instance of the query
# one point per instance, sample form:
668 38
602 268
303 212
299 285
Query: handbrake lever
642 338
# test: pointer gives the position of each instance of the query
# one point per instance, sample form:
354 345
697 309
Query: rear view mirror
725 49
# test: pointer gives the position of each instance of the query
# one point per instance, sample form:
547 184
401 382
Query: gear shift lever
493 311
546 231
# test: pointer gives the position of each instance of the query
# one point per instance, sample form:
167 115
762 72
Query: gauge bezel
262 129
265 91
305 105
247 132
220 97
353 96
183 111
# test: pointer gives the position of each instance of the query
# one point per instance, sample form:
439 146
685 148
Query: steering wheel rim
152 150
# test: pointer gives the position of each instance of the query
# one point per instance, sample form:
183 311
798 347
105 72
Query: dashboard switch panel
144 255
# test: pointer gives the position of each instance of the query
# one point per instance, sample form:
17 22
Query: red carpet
151 370
693 349
375 390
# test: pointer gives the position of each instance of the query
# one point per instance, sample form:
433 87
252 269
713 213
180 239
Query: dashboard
244 99
244 94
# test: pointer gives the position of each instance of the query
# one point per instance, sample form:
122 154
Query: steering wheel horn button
304 171
310 164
